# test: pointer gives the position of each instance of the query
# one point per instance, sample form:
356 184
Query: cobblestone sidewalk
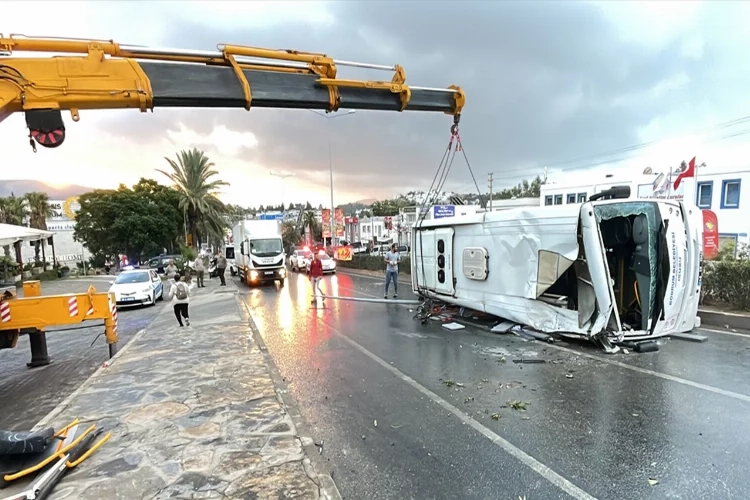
194 414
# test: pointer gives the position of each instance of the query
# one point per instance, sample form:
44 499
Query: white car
329 265
300 259
137 287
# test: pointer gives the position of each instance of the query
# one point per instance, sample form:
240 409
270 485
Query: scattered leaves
653 482
485 380
501 360
449 383
468 400
517 405
496 416
568 375
459 384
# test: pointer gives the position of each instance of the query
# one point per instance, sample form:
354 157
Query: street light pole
330 164
330 171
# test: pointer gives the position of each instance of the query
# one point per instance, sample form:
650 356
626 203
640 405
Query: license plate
128 298
269 272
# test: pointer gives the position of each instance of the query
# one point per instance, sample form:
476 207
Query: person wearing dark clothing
221 267
316 274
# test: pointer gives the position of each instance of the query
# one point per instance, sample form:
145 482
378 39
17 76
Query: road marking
672 378
534 464
724 332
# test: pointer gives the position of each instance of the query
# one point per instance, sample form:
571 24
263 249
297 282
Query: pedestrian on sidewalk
171 270
221 267
316 274
200 270
180 296
391 270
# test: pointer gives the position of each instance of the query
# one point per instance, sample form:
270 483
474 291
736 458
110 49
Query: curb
725 319
319 474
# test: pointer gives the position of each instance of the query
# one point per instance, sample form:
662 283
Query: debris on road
375 423
453 326
529 361
653 482
396 426
517 405
568 375
496 416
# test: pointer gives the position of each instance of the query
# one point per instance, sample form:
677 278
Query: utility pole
490 180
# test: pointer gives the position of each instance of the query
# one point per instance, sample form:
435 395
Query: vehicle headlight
253 275
282 271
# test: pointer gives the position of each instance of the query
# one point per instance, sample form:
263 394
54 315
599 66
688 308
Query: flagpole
669 183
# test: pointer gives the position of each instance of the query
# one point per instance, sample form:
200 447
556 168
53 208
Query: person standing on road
171 270
316 274
221 266
180 296
391 270
199 271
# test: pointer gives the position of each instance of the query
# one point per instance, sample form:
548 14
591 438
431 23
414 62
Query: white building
715 188
62 222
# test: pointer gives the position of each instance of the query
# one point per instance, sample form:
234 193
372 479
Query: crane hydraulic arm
108 75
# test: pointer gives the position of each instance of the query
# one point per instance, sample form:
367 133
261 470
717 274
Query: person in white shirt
180 294
199 271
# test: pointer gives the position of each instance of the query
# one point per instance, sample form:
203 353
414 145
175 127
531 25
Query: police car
137 287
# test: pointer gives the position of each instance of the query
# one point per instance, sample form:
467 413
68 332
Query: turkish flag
690 172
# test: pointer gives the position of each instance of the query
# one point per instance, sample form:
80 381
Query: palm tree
309 220
12 211
204 213
39 210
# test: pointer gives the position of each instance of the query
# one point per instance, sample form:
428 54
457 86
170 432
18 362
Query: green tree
12 211
524 189
39 210
309 220
159 193
289 235
388 207
202 210
138 224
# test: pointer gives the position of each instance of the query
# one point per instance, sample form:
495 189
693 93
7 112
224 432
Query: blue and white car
137 287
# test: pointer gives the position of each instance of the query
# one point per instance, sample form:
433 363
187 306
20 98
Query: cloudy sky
567 85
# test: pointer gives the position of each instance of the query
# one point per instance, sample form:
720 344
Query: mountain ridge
21 187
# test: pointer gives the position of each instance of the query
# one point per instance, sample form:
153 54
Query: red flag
690 172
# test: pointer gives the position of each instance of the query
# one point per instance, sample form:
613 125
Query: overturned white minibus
607 269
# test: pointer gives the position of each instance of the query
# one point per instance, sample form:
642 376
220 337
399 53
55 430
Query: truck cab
261 256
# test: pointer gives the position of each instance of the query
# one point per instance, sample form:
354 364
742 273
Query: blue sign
278 216
443 211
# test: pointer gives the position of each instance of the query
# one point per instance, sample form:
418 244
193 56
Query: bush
726 280
373 263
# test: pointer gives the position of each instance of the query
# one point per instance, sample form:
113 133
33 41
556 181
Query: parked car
159 263
137 287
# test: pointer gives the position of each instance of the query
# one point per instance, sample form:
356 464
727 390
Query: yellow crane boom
108 75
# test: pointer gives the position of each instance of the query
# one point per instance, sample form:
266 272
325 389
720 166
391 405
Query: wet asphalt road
595 425
27 395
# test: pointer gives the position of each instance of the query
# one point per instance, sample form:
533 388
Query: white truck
261 255
608 270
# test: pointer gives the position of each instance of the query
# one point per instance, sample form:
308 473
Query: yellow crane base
33 313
